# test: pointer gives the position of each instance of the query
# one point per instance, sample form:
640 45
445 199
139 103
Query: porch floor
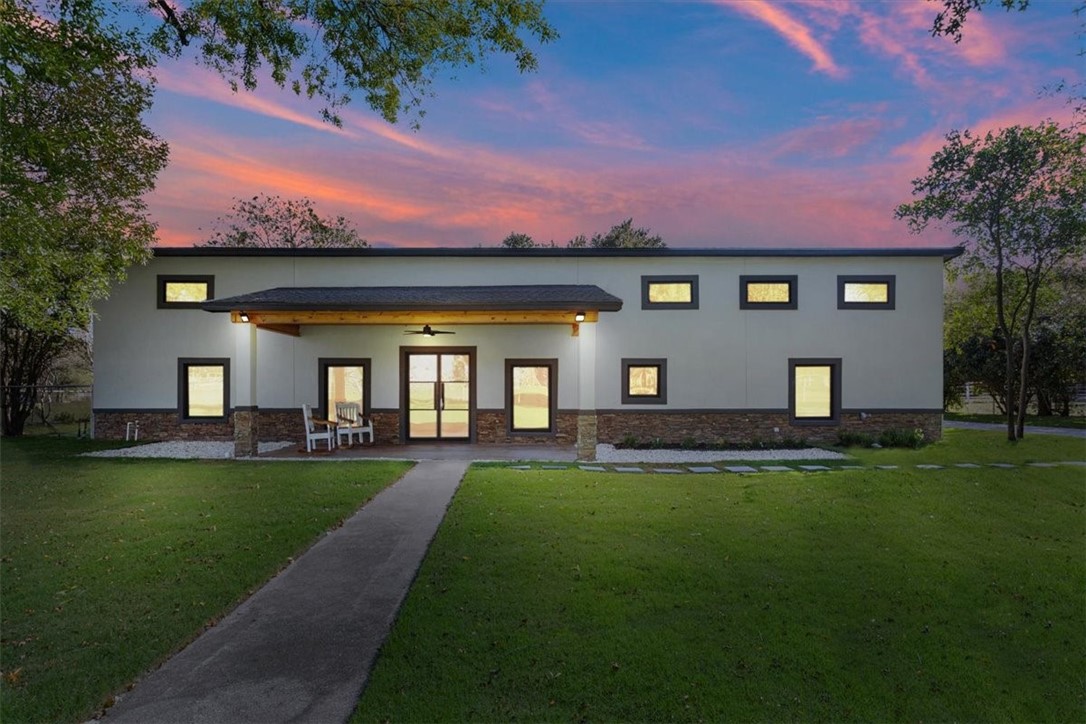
476 452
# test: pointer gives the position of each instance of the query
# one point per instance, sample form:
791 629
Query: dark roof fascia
947 253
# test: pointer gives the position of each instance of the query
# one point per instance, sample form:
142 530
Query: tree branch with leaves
271 221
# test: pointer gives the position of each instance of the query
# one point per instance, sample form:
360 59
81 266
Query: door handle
441 400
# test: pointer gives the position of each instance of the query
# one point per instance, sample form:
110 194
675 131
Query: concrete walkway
1030 429
300 649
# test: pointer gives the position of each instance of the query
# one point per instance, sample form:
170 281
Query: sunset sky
734 123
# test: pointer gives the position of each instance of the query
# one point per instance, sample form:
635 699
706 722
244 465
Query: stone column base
586 435
246 432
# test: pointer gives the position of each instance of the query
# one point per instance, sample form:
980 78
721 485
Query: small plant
629 441
902 437
688 443
847 438
656 444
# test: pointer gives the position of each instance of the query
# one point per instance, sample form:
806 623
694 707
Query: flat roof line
947 253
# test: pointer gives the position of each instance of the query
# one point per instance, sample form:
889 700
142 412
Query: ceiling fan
427 331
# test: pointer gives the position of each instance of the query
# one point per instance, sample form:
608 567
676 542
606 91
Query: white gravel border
183 449
608 454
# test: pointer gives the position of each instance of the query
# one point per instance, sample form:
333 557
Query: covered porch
421 387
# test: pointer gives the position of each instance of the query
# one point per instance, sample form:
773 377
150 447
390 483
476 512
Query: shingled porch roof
521 297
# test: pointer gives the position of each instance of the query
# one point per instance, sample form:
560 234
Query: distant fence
58 405
977 401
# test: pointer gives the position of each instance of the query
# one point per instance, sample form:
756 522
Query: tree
624 236
1018 197
386 50
518 241
270 221
75 162
951 19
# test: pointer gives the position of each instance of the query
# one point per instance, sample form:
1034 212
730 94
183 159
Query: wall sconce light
244 317
578 317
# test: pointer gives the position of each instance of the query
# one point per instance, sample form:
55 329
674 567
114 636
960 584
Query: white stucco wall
719 356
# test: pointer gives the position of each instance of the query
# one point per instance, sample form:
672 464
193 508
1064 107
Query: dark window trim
323 363
659 399
792 280
552 395
834 363
890 280
691 279
163 279
183 363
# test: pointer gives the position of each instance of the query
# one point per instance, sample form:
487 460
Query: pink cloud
795 33
834 139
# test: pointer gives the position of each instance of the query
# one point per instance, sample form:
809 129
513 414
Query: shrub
688 443
902 437
847 438
628 442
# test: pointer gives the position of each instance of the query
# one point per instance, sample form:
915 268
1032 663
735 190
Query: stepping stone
813 468
1005 466
702 469
554 467
740 469
520 467
1074 462
777 469
929 467
886 467
1043 465
668 470
628 470
966 465
592 468
852 467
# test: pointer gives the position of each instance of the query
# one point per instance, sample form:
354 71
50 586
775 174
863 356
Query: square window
343 380
644 381
669 292
203 389
866 292
531 395
814 391
768 292
184 291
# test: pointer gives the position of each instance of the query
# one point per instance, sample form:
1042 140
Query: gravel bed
190 449
608 454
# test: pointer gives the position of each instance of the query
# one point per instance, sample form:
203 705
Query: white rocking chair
317 429
350 422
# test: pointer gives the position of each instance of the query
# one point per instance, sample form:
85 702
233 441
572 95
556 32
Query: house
548 345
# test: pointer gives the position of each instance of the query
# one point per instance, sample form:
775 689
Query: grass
110 565
976 446
1074 421
853 595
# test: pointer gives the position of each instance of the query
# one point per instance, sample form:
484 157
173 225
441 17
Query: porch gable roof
520 297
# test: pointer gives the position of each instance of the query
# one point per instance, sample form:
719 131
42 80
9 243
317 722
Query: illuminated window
531 398
343 380
184 291
644 381
203 389
670 292
766 292
814 390
865 292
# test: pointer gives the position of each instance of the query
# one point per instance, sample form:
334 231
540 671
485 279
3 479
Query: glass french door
438 394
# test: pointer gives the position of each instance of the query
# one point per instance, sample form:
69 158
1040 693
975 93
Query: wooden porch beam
292 329
287 319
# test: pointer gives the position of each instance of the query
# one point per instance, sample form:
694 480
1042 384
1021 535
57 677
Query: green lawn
110 565
852 595
1074 421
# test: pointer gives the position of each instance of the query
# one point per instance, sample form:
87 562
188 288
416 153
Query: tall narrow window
768 292
184 291
203 388
531 394
343 380
644 381
669 292
814 390
866 292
